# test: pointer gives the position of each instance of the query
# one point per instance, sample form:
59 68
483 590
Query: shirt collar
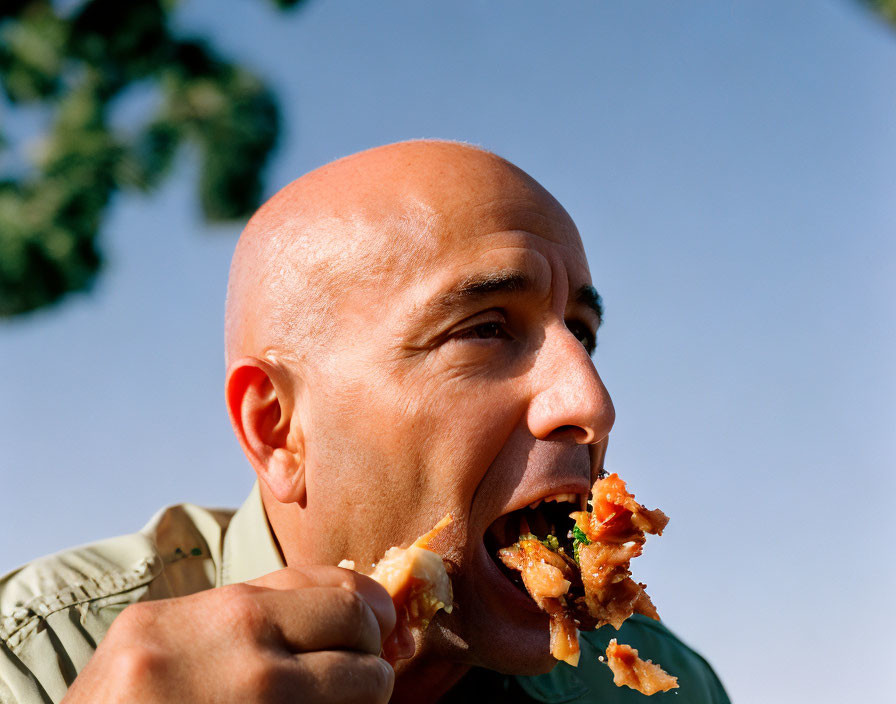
250 550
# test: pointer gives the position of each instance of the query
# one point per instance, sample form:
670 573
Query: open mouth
546 519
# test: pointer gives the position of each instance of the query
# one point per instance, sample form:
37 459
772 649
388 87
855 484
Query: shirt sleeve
55 610
18 685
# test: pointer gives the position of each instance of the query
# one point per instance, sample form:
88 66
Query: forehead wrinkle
383 254
536 213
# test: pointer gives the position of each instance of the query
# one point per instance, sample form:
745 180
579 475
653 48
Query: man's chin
511 655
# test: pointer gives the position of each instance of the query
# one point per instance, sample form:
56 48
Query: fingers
373 595
377 598
332 676
302 577
318 618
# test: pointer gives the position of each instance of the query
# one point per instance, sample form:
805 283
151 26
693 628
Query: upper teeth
559 498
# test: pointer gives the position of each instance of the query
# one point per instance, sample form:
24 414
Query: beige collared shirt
55 610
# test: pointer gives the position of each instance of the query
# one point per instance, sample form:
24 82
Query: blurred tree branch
887 8
73 66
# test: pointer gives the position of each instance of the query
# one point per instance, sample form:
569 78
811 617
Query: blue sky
731 168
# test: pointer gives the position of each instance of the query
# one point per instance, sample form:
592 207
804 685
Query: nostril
570 433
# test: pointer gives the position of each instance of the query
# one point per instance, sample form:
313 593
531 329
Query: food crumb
631 671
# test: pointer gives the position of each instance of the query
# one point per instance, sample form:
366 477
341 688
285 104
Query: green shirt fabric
55 610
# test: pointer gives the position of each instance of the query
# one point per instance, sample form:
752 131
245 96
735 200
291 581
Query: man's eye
584 335
484 331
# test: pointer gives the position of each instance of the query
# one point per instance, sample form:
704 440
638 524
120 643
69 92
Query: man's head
408 334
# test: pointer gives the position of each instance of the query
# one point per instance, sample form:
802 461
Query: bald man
409 333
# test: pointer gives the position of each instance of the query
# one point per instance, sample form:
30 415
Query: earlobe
260 404
285 476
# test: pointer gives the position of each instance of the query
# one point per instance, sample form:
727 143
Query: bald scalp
336 229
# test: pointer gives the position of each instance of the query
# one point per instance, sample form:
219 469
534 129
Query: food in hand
415 578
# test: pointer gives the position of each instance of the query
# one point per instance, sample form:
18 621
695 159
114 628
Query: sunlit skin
409 334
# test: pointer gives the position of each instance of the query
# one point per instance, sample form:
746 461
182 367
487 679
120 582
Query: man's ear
260 400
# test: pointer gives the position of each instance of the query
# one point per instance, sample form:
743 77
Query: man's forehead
380 222
402 237
486 214
422 246
416 194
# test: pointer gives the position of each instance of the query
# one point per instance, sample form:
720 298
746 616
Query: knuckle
137 663
137 617
354 605
349 580
241 612
239 589
358 615
294 572
291 577
324 574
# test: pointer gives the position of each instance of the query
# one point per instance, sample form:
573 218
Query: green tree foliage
71 66
885 7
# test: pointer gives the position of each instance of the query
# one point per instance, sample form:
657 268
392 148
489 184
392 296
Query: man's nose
569 400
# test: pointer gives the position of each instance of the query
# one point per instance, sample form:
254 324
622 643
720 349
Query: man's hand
309 634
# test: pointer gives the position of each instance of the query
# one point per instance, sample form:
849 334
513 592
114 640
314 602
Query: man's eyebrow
482 285
507 281
589 297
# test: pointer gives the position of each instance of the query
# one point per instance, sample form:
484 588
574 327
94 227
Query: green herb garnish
578 538
549 542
